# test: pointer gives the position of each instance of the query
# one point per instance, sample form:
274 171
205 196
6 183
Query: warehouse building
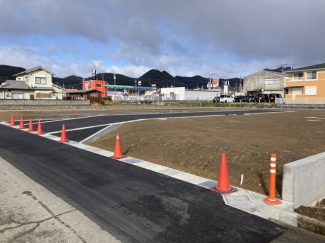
180 93
264 82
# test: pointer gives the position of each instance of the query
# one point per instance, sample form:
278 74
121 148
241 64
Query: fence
136 99
152 99
21 102
301 100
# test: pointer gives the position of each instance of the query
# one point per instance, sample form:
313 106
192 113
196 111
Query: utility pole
114 81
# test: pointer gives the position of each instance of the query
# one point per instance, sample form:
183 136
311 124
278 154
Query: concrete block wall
44 102
304 181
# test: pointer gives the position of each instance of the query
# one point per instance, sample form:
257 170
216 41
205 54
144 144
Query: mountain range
153 76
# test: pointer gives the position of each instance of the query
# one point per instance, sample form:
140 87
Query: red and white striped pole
272 199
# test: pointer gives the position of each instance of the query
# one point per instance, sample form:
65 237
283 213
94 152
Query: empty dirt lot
195 145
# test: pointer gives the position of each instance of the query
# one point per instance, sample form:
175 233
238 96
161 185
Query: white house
34 83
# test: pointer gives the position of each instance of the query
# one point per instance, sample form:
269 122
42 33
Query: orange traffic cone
269 101
12 121
118 150
31 127
22 125
63 135
223 182
39 129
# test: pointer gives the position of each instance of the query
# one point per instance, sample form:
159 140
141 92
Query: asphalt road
80 135
134 204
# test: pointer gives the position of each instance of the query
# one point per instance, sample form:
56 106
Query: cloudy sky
184 37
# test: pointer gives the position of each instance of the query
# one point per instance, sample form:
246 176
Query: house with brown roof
34 83
306 84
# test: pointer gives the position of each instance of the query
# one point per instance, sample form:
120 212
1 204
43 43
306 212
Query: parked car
226 99
262 98
273 96
240 99
252 99
216 99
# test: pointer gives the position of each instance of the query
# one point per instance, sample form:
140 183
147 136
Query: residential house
306 84
266 81
34 83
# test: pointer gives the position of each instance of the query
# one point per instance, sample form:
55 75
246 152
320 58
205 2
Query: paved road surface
134 204
80 135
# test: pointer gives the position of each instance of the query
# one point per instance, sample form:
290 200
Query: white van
226 99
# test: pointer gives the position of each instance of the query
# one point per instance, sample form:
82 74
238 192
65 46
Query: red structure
95 85
67 91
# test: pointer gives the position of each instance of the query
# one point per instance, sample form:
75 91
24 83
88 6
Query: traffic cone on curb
118 150
12 121
269 101
22 125
39 129
63 135
31 127
223 181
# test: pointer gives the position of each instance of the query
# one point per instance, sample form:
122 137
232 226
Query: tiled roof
313 67
13 84
33 69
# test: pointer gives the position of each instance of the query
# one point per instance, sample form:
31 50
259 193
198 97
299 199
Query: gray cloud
242 32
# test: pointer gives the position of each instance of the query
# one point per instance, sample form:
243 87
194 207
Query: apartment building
306 84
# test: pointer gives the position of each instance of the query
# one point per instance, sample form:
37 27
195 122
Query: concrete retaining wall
304 181
44 102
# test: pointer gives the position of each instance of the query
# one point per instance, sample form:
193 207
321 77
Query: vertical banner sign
215 82
139 83
93 77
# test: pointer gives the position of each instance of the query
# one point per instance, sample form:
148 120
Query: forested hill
160 78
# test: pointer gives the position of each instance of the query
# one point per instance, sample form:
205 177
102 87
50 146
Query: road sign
139 83
215 82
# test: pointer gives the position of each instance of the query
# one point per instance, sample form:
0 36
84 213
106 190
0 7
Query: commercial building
264 82
34 83
180 93
306 84
126 90
95 85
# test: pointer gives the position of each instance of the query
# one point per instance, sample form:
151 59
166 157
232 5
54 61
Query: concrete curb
302 221
101 133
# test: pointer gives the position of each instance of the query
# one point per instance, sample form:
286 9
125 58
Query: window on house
270 81
298 76
16 96
311 90
296 91
312 75
40 80
99 85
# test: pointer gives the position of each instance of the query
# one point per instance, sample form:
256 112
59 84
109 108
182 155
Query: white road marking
80 128
67 119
